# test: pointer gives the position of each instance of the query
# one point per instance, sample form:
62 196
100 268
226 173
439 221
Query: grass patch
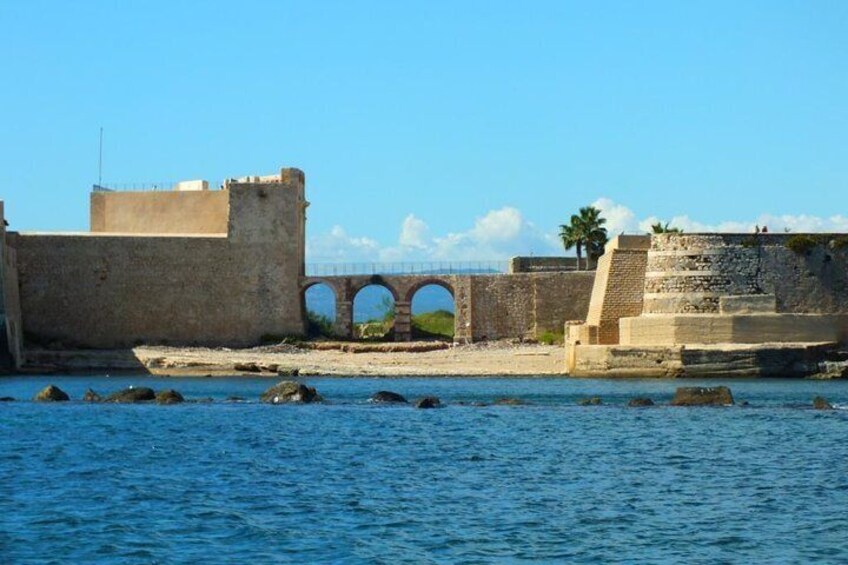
433 325
551 338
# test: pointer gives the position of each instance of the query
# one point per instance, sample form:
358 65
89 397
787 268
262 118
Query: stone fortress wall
691 273
165 212
11 326
193 266
148 282
763 299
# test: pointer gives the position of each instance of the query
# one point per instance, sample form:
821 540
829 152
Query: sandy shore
492 358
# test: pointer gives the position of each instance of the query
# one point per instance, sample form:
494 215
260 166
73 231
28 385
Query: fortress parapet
182 266
742 291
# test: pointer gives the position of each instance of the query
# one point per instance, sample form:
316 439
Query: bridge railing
407 268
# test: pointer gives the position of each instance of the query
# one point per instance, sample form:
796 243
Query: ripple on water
351 482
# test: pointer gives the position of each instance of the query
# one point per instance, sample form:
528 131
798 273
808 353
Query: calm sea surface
348 482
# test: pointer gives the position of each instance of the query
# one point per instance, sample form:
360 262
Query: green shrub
551 338
801 243
318 325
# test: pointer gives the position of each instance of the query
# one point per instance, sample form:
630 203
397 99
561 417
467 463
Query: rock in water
52 394
290 392
640 402
129 395
91 396
169 396
7 399
388 397
509 402
429 402
594 401
821 403
702 396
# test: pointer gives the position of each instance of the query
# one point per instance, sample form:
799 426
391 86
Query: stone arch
431 281
310 282
358 284
375 280
341 325
336 294
418 285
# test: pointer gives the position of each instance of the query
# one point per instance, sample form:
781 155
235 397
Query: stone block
748 304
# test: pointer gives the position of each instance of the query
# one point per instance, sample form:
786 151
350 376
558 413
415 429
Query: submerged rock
640 402
593 401
428 402
702 396
821 403
131 395
388 397
286 392
91 396
7 399
509 402
51 393
169 396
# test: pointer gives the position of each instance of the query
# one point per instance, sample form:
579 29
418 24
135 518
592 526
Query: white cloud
620 219
414 232
498 225
337 245
504 233
499 234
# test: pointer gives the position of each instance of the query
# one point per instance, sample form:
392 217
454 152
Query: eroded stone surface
702 396
290 392
52 393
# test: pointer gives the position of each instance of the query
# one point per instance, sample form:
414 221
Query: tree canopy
585 231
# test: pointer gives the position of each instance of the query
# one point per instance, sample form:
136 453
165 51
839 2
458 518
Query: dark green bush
802 243
318 325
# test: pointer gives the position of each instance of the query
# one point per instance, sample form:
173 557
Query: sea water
350 482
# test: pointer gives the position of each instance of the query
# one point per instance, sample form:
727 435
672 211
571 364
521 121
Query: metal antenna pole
100 161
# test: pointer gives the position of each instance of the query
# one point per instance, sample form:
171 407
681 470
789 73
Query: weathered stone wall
526 305
618 289
544 264
690 273
160 212
11 337
102 290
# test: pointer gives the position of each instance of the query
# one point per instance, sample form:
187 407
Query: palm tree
594 232
660 228
570 235
585 231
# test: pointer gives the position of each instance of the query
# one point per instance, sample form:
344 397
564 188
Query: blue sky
437 129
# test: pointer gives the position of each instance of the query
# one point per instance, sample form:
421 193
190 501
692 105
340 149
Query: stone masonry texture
101 290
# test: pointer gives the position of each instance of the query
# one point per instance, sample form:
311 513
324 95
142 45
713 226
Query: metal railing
407 268
146 186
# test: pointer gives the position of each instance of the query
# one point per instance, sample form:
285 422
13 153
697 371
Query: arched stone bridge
403 289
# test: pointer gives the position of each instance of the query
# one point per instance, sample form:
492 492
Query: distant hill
369 301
